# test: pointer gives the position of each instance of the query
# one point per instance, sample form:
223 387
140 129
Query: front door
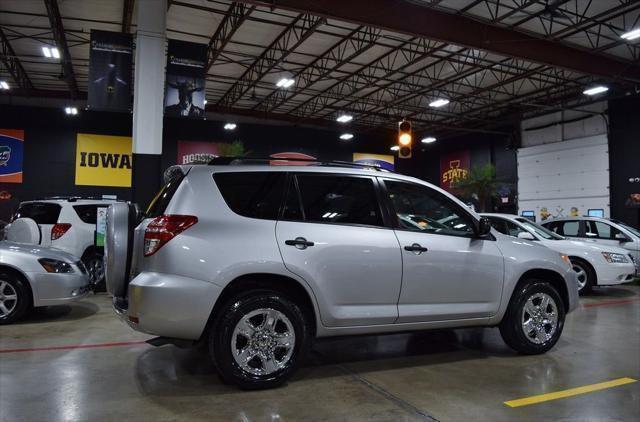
332 235
448 273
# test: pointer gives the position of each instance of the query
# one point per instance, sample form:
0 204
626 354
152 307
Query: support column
148 99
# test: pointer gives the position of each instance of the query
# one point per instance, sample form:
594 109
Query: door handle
299 242
416 248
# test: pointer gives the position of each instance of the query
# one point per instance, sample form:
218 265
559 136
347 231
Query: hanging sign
110 61
184 91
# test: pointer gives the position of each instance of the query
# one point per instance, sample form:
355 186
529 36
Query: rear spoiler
174 172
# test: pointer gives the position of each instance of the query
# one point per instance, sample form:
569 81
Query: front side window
336 199
569 228
421 209
505 226
253 194
539 230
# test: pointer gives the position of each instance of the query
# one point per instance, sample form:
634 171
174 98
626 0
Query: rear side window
253 194
87 213
339 199
41 212
161 201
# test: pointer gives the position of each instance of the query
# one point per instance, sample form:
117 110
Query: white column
148 91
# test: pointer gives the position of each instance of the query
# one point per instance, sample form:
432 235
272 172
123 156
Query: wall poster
186 70
11 155
103 160
190 152
453 168
110 62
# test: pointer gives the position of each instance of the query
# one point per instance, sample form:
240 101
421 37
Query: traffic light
404 139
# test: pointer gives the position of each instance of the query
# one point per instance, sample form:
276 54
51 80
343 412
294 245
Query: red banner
196 152
453 167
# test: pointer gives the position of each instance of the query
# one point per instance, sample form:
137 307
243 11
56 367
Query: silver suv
257 260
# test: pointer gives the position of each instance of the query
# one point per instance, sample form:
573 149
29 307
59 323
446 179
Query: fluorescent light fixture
395 148
428 140
46 52
50 52
55 53
344 118
595 90
4 85
631 35
439 103
285 83
71 110
346 136
230 126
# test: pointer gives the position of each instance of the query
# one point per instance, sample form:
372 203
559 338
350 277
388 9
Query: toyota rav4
255 261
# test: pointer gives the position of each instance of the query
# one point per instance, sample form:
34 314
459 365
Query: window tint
41 212
339 199
161 201
87 213
599 230
253 194
422 209
292 208
570 228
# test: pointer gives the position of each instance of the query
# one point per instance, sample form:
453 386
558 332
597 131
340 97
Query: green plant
480 184
234 149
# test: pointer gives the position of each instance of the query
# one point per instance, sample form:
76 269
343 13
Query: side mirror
484 227
622 237
526 236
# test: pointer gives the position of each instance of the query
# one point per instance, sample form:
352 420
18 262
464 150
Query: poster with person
185 80
110 63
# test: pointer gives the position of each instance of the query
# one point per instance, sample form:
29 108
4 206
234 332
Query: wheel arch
289 286
19 274
550 276
588 264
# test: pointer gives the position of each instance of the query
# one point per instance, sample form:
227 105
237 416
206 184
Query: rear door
332 234
448 273
45 214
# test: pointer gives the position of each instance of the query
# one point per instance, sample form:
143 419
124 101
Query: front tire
258 339
15 299
94 262
534 320
585 274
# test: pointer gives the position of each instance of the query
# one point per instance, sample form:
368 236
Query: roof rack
230 161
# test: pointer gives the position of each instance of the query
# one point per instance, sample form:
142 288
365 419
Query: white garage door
564 178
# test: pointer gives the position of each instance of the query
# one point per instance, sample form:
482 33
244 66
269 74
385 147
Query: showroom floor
444 375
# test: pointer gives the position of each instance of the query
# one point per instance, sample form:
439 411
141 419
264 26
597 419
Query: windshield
538 230
628 227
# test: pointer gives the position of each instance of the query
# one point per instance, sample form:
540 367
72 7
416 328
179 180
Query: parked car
602 231
69 224
257 260
31 277
595 265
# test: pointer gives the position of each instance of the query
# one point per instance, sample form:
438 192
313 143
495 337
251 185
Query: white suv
69 224
257 260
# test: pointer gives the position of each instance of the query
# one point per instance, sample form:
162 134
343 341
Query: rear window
161 201
40 212
87 213
253 194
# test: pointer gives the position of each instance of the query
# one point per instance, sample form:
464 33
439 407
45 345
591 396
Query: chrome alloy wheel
8 298
540 318
95 268
263 341
581 275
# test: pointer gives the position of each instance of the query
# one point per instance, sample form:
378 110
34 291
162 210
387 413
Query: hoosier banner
103 160
11 155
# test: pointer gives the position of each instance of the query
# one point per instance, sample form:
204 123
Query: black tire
10 285
512 328
221 338
94 262
586 275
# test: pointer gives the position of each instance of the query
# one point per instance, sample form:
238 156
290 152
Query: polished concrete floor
461 375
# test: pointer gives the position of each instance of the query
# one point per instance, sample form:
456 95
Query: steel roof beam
232 20
417 20
127 14
61 42
12 63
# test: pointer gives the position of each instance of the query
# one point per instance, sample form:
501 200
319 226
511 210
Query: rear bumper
167 305
612 274
51 289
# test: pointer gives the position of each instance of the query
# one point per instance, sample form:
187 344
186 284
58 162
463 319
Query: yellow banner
103 160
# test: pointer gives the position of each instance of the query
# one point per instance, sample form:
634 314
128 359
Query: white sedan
595 265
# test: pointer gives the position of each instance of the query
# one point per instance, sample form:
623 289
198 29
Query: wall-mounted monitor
597 212
531 215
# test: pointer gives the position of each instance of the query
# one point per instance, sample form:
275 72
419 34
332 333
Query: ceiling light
346 136
285 83
72 111
205 101
55 53
4 85
344 118
230 126
428 140
595 90
439 103
631 35
395 148
46 52
50 52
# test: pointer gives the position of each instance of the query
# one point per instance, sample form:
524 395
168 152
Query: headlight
55 266
615 258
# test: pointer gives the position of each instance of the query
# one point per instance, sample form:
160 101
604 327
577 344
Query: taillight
59 230
164 228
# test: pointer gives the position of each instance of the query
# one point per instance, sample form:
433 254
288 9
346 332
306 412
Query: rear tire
534 319
94 262
15 298
258 339
585 274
